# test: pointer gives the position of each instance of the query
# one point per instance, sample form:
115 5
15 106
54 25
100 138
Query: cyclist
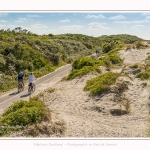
98 51
31 79
21 77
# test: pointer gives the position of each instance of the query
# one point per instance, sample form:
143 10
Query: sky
92 23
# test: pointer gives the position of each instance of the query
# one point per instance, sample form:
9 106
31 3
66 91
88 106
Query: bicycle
31 88
20 86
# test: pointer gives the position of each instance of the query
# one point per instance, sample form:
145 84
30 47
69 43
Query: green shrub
103 62
107 48
144 84
85 65
138 44
148 59
143 75
81 62
23 116
134 66
114 58
100 84
14 107
22 113
85 70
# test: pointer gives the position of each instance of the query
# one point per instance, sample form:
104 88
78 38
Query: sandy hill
87 116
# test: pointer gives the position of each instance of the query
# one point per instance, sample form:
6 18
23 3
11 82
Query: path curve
41 84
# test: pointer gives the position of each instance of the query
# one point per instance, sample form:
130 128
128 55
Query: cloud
3 21
34 16
21 20
97 26
131 22
134 27
66 20
3 14
145 14
7 26
147 17
57 14
141 21
76 14
95 16
122 22
96 23
2 25
118 17
39 26
139 25
72 27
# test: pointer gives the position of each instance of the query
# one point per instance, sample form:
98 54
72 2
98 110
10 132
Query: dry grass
120 97
42 94
50 90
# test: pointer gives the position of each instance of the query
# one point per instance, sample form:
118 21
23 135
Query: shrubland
21 50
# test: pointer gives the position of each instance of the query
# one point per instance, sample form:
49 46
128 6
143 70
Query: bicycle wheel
20 86
33 87
29 90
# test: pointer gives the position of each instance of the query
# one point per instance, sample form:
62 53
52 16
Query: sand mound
98 116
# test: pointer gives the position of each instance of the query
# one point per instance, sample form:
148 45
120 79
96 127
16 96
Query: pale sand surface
88 117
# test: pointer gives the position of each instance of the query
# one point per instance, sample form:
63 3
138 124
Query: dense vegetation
21 114
134 66
145 74
101 83
85 65
21 50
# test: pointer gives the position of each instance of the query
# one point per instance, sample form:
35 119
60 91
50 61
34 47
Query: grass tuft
143 75
101 83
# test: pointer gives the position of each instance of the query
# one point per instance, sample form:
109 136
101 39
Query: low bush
85 65
79 73
134 66
22 114
101 83
114 58
81 62
143 75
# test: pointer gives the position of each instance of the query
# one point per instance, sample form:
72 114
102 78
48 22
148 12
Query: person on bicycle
21 77
98 51
31 79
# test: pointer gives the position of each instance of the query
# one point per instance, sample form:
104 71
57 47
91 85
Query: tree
18 29
24 31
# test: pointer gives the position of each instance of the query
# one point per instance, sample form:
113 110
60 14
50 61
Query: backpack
98 50
20 74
